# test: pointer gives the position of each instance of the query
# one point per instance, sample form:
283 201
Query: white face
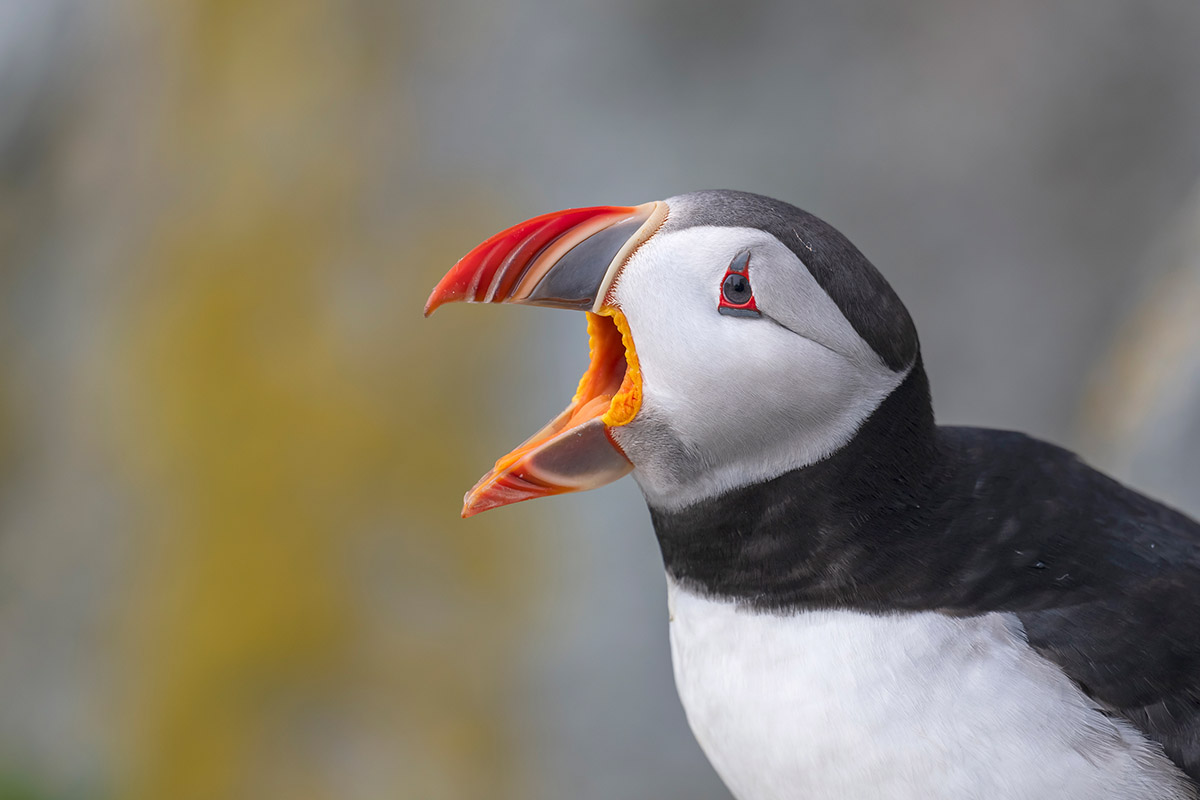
730 401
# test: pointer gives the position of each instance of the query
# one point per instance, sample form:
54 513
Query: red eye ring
737 296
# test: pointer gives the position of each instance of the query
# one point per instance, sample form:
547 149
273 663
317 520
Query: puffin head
733 338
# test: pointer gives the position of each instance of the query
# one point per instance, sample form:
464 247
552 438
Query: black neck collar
910 516
819 534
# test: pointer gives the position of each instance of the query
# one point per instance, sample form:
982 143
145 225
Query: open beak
567 259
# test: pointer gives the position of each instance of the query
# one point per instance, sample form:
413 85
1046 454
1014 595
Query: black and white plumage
864 604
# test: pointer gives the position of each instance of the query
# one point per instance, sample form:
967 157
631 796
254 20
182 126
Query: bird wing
1111 590
1138 657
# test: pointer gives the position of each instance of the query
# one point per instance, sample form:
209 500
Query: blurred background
232 453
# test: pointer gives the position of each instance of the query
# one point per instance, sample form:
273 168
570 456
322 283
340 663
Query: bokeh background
232 452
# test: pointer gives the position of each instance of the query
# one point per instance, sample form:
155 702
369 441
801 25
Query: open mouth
565 259
564 456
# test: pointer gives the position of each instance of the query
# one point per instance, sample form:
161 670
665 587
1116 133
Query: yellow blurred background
232 452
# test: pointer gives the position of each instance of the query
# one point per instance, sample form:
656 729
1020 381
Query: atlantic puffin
862 603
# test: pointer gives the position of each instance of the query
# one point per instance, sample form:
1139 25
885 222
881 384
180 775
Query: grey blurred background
231 452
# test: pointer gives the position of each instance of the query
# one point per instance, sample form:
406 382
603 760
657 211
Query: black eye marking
737 296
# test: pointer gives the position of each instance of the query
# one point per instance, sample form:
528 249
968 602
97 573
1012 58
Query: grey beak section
576 279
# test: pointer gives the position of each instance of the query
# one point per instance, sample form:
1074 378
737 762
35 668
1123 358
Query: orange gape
613 374
628 400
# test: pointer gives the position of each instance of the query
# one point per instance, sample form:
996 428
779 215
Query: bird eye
737 298
736 289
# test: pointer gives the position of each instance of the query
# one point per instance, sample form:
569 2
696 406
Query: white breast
845 705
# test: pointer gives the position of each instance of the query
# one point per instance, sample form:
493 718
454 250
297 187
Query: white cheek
734 382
